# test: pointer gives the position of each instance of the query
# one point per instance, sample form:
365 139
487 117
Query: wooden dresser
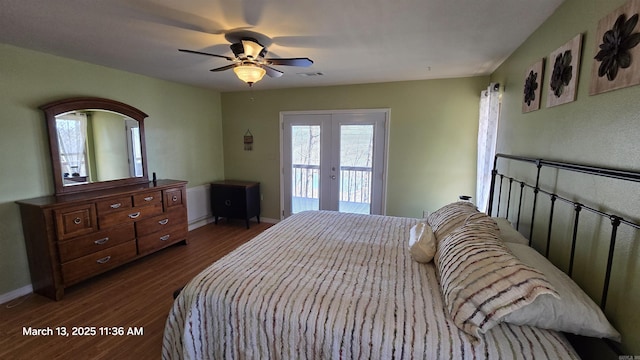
235 199
73 237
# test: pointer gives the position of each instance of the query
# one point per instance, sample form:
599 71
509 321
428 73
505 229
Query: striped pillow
449 217
481 280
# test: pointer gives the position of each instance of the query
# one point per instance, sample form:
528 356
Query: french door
333 161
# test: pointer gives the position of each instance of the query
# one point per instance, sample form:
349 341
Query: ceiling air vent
310 74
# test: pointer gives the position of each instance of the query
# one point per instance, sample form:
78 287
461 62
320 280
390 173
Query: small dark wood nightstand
235 199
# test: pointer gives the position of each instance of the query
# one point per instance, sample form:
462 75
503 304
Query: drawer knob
101 241
77 221
116 205
163 222
174 198
134 215
165 238
148 198
104 260
227 202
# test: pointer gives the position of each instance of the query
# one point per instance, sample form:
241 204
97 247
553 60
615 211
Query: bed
328 285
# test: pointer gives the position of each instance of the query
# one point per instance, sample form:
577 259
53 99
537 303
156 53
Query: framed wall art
563 72
532 87
616 63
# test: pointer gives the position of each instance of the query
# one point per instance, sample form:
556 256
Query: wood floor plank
136 296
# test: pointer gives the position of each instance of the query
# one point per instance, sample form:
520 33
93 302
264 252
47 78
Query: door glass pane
305 171
356 159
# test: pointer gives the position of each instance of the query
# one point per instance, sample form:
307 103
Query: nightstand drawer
229 201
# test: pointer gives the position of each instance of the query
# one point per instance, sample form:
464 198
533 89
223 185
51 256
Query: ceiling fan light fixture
249 73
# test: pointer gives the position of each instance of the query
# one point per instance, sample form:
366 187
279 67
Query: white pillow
422 243
574 312
508 233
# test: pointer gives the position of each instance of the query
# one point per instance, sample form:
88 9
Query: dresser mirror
95 144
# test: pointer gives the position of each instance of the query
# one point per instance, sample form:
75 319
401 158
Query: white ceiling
350 41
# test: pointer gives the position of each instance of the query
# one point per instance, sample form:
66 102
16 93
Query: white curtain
487 138
72 129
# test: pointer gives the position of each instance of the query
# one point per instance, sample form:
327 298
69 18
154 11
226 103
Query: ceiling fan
250 64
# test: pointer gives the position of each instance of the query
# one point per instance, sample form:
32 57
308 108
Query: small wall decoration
563 78
616 63
532 87
248 141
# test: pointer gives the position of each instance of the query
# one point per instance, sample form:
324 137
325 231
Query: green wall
183 132
432 137
602 130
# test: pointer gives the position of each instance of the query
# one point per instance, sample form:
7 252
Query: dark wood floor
136 296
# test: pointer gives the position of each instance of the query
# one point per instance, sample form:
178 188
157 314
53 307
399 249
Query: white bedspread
325 285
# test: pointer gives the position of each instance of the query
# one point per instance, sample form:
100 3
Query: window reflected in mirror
98 145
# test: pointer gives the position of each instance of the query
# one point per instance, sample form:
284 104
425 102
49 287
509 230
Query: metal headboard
615 219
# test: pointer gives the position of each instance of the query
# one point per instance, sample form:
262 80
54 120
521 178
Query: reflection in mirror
98 145
95 144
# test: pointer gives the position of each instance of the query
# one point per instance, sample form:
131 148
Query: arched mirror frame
51 110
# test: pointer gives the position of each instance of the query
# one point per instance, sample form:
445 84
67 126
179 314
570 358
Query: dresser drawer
129 215
85 245
115 204
75 221
161 222
172 198
147 198
160 239
89 265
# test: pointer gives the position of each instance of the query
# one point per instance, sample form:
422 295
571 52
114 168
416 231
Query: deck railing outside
306 181
355 183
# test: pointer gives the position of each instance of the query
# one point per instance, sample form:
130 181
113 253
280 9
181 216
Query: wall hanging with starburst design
564 64
616 63
532 87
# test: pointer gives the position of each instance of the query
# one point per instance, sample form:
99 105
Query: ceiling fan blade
204 53
237 49
170 16
223 68
252 11
304 62
272 72
239 34
300 41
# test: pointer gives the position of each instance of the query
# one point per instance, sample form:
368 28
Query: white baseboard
199 223
11 295
209 220
269 220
